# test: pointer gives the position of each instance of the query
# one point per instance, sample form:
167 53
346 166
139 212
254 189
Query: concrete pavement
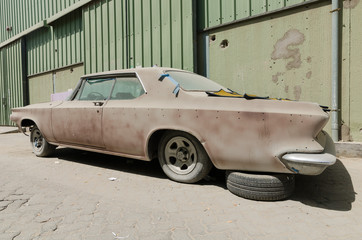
82 195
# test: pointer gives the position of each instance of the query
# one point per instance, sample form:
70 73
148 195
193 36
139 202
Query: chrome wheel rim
180 155
37 140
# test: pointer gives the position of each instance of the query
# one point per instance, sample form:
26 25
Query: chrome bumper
312 163
309 164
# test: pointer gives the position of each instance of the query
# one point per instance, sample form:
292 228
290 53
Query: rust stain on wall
297 92
283 49
346 133
275 77
309 74
350 3
286 89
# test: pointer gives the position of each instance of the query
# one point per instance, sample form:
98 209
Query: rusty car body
145 113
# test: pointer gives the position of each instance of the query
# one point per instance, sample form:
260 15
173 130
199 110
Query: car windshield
193 82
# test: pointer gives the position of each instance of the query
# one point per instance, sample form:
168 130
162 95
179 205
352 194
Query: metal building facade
57 45
21 15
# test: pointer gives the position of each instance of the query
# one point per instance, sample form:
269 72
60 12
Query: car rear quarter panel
40 114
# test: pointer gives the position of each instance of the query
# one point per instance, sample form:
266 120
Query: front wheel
41 147
182 157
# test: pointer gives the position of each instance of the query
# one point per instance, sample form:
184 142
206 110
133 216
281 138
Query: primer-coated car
185 121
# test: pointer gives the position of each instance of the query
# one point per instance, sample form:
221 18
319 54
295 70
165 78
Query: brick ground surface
70 196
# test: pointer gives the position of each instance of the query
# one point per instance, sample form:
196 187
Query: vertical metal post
335 70
127 35
194 33
53 79
24 70
206 55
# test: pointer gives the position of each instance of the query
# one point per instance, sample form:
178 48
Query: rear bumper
309 164
312 163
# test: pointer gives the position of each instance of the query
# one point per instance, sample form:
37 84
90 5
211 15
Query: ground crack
16 235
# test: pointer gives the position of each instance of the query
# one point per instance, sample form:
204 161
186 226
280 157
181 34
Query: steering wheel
95 96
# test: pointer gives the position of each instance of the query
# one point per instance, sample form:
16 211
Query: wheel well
27 123
153 143
155 139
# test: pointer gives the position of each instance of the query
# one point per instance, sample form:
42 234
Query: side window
95 89
127 88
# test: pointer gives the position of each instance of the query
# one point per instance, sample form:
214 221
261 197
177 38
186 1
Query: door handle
98 104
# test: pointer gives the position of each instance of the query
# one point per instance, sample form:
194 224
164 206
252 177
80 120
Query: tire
41 148
259 186
182 157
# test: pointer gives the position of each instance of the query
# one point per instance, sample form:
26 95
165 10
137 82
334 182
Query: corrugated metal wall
121 34
104 36
57 46
11 86
22 14
216 12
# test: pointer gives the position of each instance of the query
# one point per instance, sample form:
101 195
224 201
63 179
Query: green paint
40 88
11 85
158 34
68 78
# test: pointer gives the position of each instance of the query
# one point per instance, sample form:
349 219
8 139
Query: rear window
194 82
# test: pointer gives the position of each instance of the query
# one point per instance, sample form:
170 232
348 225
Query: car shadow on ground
150 169
333 189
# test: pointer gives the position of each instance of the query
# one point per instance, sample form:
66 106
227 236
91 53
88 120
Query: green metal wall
22 14
56 46
11 85
216 12
120 34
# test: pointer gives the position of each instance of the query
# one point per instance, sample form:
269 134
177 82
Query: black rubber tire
41 148
260 186
202 163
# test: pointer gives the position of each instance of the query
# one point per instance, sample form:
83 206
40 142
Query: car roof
131 70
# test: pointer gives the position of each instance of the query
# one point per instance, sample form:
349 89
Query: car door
124 116
79 120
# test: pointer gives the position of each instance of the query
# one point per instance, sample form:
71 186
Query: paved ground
70 196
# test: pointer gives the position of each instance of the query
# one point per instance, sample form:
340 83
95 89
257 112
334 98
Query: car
190 124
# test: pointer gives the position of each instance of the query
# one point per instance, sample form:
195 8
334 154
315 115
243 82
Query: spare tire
260 186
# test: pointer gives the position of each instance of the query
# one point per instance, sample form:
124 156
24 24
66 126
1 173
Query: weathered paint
67 78
40 88
125 34
11 82
283 55
56 46
123 127
351 113
22 14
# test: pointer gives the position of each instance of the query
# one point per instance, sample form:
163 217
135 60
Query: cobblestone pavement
70 196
